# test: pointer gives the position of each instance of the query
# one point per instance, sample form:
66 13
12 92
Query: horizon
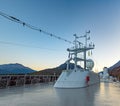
63 18
49 67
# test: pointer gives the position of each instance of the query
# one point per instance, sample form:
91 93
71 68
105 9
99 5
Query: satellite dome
89 63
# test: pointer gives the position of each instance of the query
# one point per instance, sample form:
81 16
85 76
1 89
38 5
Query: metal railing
21 80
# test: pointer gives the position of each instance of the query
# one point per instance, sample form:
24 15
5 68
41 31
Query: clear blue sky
63 18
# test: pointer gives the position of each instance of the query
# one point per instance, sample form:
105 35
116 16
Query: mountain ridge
57 70
117 64
15 68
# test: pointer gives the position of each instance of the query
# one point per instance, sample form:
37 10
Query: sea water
103 94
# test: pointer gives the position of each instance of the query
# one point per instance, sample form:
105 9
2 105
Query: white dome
89 63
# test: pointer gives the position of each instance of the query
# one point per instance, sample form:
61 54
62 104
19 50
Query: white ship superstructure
78 77
104 76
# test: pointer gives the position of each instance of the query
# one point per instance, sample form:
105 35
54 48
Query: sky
63 18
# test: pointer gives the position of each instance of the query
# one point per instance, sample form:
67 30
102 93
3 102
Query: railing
20 80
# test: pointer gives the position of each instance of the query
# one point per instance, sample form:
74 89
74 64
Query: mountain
114 66
15 69
115 72
56 70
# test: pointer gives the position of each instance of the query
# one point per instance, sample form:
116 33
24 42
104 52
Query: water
104 94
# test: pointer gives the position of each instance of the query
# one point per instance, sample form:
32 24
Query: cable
32 27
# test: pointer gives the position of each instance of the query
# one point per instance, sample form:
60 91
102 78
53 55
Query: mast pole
85 51
86 38
75 51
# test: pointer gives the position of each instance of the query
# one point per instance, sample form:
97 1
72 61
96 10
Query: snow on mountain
15 69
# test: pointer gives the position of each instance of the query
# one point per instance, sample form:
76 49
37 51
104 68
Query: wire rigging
12 18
